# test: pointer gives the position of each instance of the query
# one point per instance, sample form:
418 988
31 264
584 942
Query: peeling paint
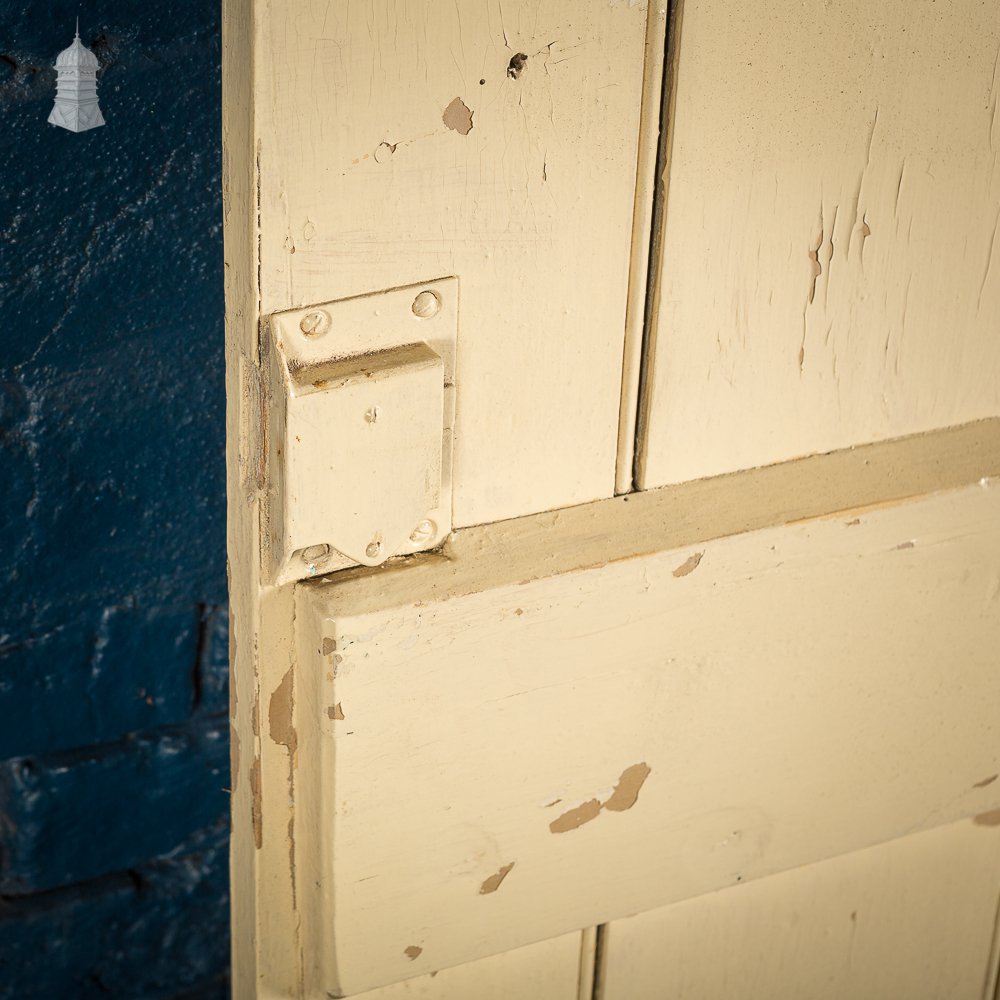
255 809
626 792
335 712
516 65
494 881
458 117
412 952
689 565
329 646
280 714
576 817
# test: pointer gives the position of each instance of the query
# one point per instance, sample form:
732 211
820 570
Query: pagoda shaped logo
76 106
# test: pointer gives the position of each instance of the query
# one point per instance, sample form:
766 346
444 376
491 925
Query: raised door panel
914 918
828 271
481 755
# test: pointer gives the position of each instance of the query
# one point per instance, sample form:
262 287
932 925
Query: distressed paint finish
914 918
371 176
628 735
363 153
828 271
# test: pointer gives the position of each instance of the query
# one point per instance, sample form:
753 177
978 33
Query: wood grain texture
828 272
914 918
627 736
497 142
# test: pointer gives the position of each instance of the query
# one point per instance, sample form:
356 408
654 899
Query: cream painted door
592 639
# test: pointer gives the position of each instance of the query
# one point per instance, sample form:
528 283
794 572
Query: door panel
549 970
915 918
496 142
827 272
446 765
499 761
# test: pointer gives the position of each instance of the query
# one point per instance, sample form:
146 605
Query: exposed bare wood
625 735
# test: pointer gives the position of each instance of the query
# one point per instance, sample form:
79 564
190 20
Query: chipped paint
622 797
458 117
991 818
516 65
689 565
574 818
335 712
626 792
413 952
280 714
494 881
255 808
329 645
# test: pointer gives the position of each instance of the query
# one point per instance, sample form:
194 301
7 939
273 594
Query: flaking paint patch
329 645
627 790
458 117
336 712
986 781
413 952
280 714
255 811
574 818
991 818
494 881
689 565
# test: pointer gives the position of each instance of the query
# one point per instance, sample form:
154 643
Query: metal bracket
360 429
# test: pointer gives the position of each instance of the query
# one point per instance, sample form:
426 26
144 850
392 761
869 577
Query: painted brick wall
113 629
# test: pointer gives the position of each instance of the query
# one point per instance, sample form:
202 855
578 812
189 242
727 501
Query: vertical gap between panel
588 952
600 940
647 157
654 263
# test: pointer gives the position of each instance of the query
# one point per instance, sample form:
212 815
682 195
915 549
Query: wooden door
613 530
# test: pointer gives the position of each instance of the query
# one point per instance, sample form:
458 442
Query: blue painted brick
157 932
95 681
66 818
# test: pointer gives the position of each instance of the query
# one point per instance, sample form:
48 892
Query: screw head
426 304
423 532
315 323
